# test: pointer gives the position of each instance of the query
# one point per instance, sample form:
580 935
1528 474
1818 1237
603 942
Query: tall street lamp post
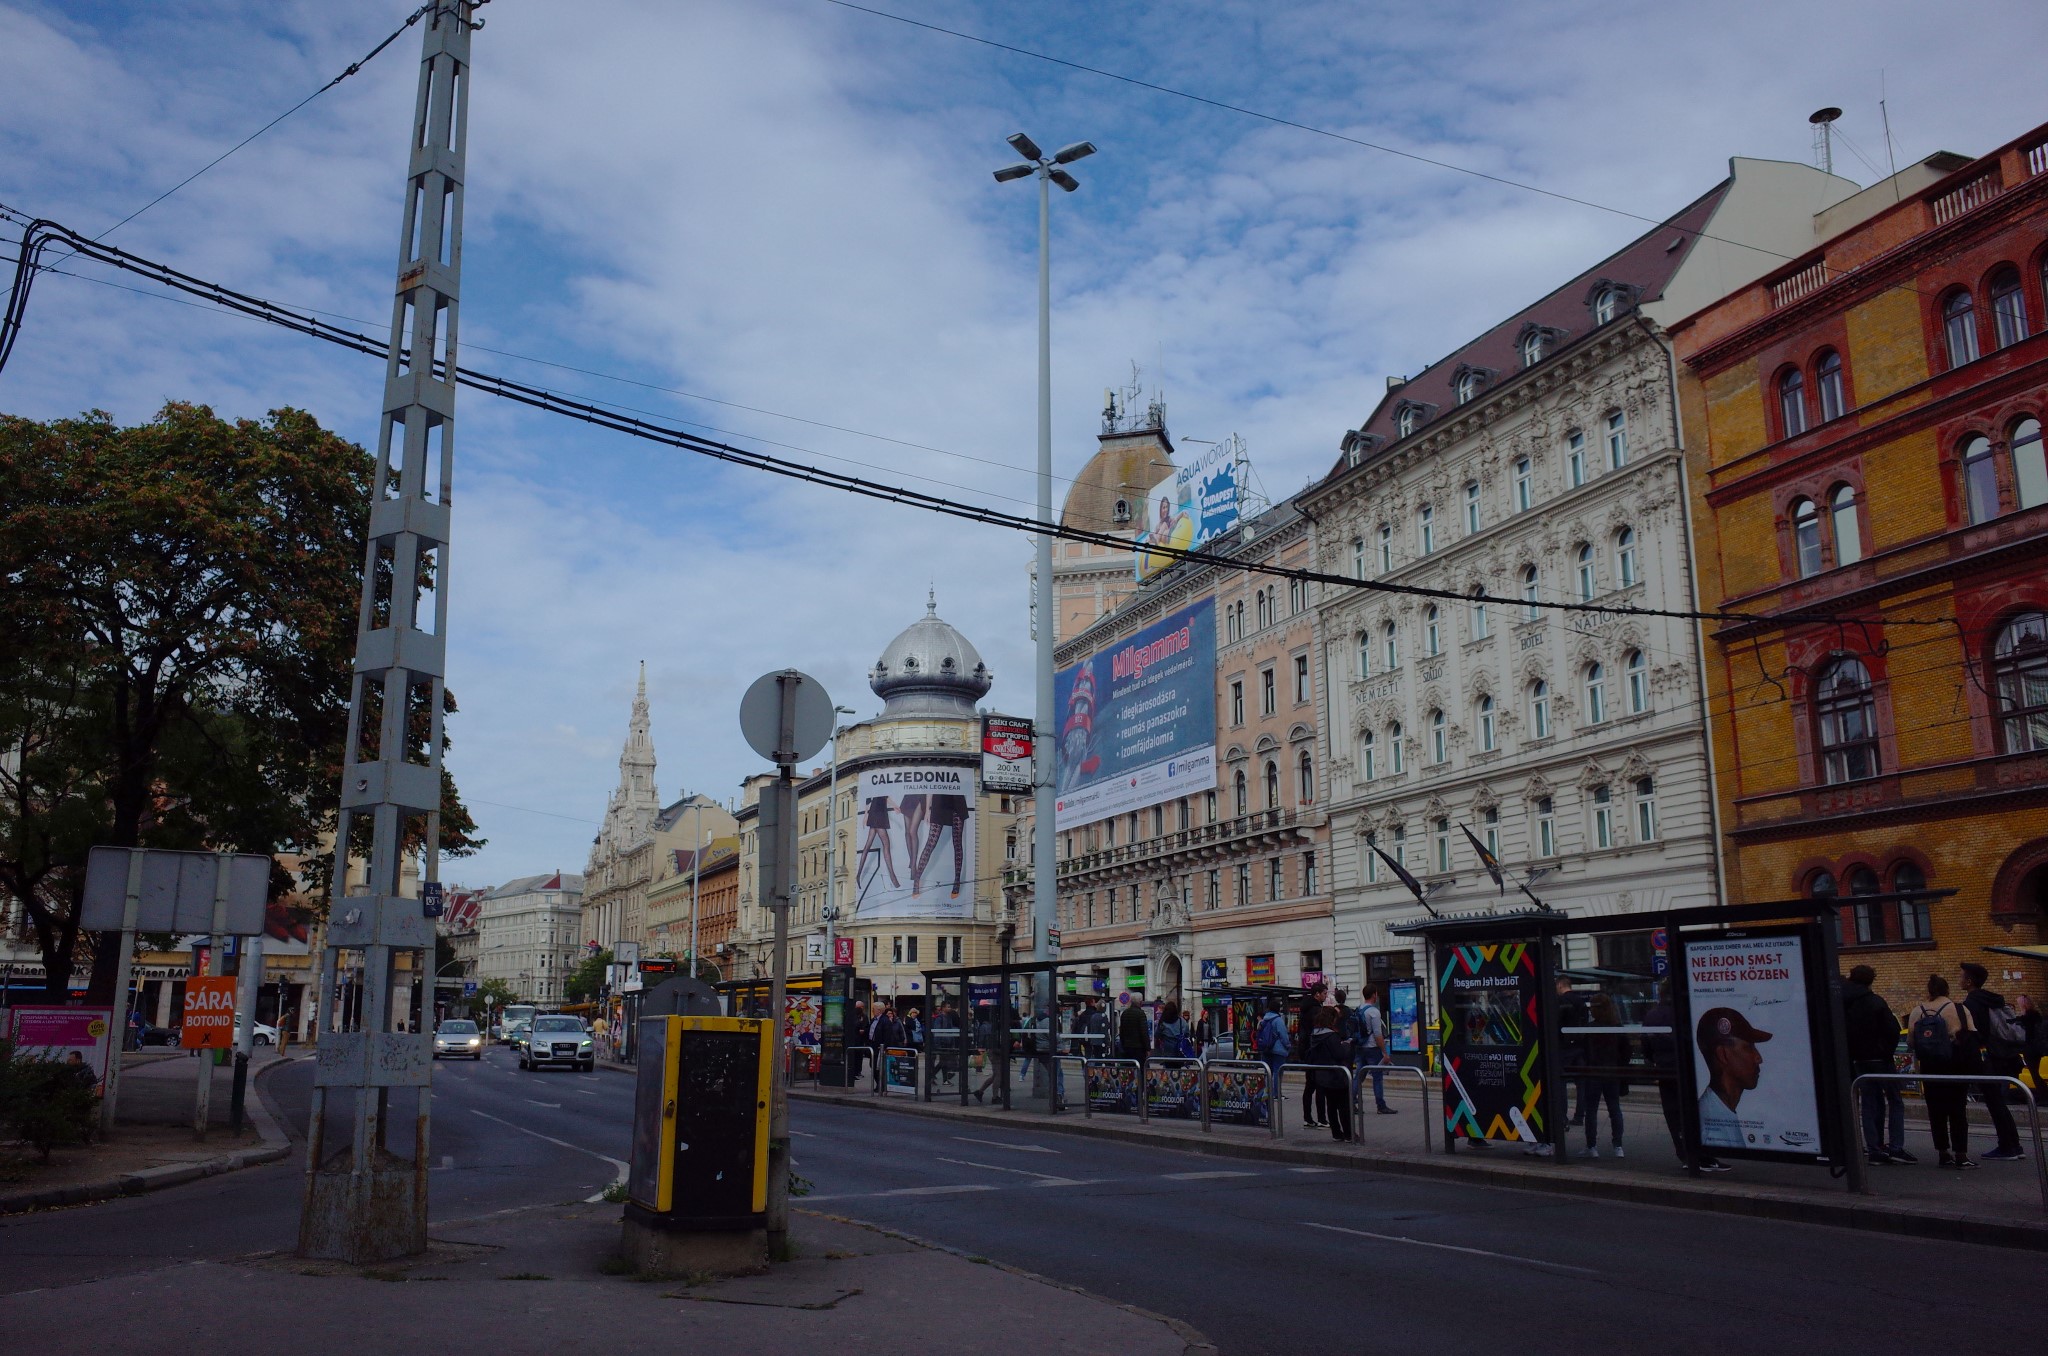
831 909
1044 862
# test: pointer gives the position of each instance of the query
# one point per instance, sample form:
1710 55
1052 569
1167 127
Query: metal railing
1088 1106
1174 1062
1308 1074
846 1066
916 1070
1258 1066
1364 1072
2033 1107
1060 1099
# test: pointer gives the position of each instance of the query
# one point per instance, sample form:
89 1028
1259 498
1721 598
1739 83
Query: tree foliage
495 993
586 981
177 628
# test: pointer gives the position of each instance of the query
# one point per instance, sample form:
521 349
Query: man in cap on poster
1728 1044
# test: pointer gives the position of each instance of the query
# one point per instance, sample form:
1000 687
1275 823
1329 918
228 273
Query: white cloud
787 205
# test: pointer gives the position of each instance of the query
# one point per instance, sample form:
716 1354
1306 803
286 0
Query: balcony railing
1970 196
1149 849
1804 283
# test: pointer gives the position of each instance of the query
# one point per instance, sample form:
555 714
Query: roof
565 881
1643 267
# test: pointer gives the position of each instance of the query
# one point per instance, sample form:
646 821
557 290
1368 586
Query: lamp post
1044 861
832 838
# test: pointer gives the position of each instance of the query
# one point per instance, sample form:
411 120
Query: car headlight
586 1043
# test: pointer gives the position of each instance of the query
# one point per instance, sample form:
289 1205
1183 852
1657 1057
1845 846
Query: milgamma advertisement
1137 721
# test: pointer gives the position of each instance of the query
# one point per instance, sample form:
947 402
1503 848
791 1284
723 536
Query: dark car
555 1039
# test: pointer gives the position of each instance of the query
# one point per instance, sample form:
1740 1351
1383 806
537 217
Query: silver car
555 1039
456 1038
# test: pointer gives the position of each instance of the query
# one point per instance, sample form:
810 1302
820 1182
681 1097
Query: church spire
634 806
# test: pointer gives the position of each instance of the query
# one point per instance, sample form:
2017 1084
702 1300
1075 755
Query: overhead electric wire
41 234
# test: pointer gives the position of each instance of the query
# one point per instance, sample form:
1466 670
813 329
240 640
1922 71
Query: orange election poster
209 1013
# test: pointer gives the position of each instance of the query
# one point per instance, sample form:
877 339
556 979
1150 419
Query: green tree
494 994
586 981
177 629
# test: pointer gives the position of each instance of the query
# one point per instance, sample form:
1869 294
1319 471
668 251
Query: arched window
1432 630
1386 548
1914 923
1532 348
1539 710
1586 580
2008 306
1468 386
1305 779
1606 305
1638 683
1625 556
1369 755
1439 738
2029 469
1531 581
1525 485
1834 397
1845 711
2019 677
1486 726
1596 694
1409 418
1980 479
1390 646
1272 785
1364 655
1243 789
1959 325
1472 506
1397 758
1821 885
1791 402
1842 520
1806 537
1425 528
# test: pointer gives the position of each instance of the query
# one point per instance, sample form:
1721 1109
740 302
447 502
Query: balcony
1220 835
1967 198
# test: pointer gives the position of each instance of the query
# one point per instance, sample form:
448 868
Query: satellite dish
1825 116
761 716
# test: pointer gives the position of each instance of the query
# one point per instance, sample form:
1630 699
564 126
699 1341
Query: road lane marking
1453 1247
934 1190
803 1134
1042 1178
620 1180
1004 1144
557 1106
1203 1176
1311 1169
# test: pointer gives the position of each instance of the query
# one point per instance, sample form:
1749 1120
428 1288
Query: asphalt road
1262 1258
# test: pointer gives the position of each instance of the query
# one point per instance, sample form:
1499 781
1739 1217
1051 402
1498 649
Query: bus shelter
993 1040
1735 1019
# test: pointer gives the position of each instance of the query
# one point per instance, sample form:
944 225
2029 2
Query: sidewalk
2000 1203
152 1146
541 1279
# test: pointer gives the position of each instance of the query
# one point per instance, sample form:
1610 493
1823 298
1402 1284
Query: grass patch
616 1193
615 1266
526 1276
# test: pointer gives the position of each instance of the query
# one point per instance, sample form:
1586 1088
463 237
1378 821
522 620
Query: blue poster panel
1138 720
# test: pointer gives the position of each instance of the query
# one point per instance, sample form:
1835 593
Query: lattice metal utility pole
366 1190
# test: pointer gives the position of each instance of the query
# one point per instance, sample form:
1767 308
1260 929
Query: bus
514 1015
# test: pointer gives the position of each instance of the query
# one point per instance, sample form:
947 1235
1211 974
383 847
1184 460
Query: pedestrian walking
1304 1029
1997 1045
1370 1044
601 1031
1133 1037
1205 1033
1661 1047
1936 1029
1872 1032
883 1032
1270 1043
1331 1075
984 1037
856 1037
1605 1059
1170 1037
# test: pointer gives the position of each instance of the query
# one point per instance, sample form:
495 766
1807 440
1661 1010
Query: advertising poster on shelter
1404 1017
1189 509
916 839
1491 1026
1751 1047
1137 722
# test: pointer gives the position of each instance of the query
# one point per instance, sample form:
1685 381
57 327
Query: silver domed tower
930 670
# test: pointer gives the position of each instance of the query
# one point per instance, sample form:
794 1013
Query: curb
275 1146
1956 1227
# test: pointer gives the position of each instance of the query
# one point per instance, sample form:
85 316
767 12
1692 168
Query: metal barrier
2033 1108
889 1085
1138 1082
1358 1081
1176 1063
1060 1083
1244 1066
846 1065
1308 1073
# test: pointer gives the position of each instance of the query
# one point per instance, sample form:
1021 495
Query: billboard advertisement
80 1037
916 843
1492 1048
1137 721
1751 1048
1190 508
1006 755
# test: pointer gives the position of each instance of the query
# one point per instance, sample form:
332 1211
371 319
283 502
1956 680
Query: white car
556 1039
457 1037
265 1034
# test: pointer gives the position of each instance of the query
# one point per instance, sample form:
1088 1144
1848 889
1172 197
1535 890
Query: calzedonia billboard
1137 721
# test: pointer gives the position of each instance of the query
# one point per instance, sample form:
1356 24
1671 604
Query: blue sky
786 204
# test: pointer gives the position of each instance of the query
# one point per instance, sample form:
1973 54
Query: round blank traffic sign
761 715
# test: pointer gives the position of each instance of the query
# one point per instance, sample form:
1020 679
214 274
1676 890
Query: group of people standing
1334 1040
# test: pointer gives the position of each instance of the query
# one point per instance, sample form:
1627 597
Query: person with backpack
1270 1042
1170 1037
1369 1043
1997 1045
1935 1030
884 1032
1331 1076
1872 1032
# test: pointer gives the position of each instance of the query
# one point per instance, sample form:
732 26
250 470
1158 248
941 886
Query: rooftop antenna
1890 156
1823 138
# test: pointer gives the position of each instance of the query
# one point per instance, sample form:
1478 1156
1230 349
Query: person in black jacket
1873 1033
1990 1056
